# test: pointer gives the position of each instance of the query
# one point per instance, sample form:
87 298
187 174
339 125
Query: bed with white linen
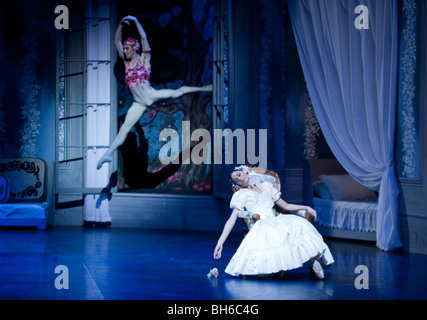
23 192
345 208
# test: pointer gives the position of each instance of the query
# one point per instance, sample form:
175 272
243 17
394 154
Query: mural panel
180 35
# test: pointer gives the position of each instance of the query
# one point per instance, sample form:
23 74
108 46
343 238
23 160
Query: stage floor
122 264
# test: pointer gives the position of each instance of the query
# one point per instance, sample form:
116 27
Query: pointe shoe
317 269
103 159
323 261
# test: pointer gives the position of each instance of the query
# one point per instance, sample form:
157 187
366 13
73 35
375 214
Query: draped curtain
351 75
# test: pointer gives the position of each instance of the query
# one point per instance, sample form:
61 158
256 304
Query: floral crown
242 168
134 43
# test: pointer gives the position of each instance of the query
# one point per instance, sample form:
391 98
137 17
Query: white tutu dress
275 243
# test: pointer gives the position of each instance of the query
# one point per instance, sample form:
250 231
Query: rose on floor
213 273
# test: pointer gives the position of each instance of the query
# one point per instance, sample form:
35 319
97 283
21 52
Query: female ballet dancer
137 79
276 242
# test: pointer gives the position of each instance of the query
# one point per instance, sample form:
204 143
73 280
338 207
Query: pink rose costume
137 78
140 74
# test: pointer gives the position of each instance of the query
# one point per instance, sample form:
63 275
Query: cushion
321 191
344 187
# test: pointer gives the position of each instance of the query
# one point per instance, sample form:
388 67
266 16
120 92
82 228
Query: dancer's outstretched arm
227 229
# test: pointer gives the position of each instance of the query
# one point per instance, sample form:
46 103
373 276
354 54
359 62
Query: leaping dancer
137 79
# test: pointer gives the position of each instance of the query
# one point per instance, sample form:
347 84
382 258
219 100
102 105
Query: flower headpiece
134 43
242 168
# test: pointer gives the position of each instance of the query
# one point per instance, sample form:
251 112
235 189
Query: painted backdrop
180 35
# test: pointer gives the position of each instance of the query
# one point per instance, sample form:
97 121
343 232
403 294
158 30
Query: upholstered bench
23 192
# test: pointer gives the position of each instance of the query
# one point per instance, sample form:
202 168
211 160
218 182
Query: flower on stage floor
213 273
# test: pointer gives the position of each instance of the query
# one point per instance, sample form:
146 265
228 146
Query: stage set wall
267 90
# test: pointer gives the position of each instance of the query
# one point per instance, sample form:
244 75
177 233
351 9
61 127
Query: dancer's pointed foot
104 158
207 88
316 267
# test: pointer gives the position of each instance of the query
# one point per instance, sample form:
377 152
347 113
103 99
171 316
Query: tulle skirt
278 244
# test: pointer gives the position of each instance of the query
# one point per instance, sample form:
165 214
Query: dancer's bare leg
156 95
134 113
185 89
147 97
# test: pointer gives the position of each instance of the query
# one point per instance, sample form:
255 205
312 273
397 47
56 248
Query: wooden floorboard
142 264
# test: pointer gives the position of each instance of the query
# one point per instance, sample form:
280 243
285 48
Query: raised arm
118 40
294 207
144 42
225 233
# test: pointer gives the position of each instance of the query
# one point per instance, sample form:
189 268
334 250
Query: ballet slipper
317 269
323 262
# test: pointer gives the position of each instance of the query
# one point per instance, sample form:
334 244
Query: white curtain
351 74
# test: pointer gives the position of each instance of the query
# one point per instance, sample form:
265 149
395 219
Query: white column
98 114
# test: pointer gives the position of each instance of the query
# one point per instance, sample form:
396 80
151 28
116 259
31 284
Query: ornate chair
24 192
250 218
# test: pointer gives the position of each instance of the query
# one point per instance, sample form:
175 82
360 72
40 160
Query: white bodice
247 199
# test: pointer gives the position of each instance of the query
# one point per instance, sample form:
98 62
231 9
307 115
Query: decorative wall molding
2 89
29 92
311 130
266 21
61 96
408 66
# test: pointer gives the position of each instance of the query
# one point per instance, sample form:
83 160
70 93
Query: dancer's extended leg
147 98
184 90
156 95
134 113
